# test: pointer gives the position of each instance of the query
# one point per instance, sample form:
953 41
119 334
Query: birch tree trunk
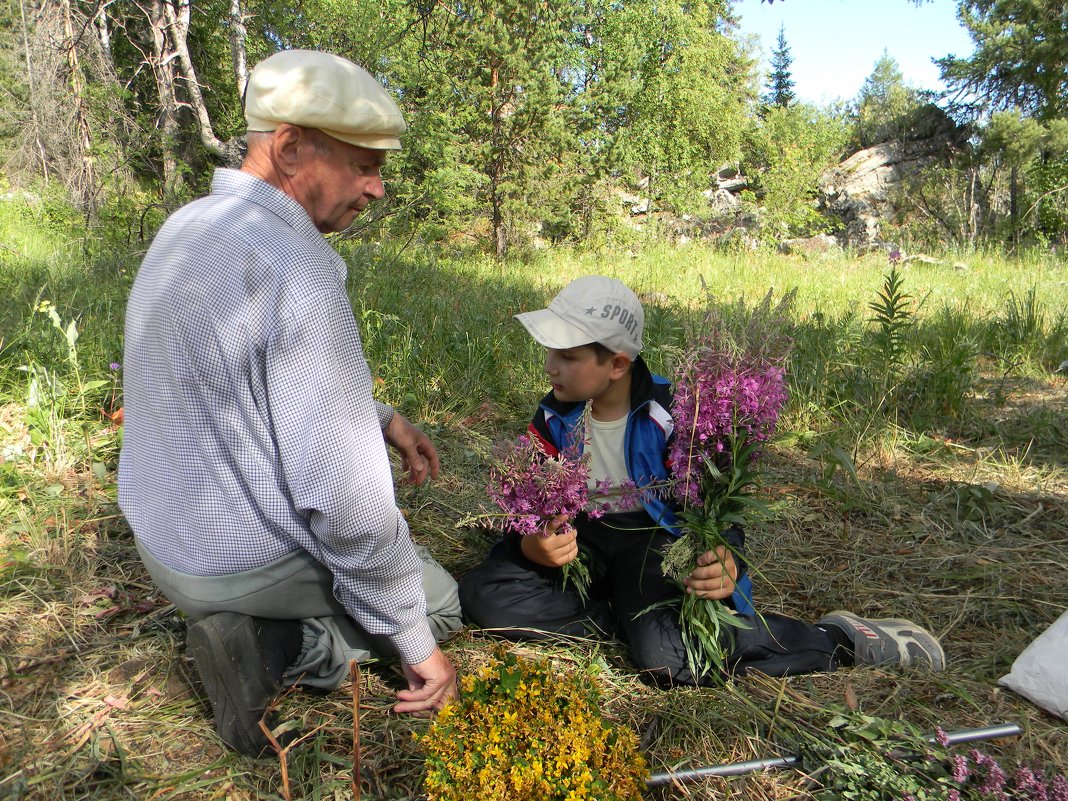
177 21
162 63
38 145
103 29
81 181
238 35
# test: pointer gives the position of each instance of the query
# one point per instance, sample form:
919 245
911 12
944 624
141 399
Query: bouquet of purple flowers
531 488
728 396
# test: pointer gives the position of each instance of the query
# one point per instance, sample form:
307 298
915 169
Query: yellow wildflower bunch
519 732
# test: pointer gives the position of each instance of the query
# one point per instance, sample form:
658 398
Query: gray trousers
297 586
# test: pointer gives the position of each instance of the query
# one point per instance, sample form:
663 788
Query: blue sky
835 43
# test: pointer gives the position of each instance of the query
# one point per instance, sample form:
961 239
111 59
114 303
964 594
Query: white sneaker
889 641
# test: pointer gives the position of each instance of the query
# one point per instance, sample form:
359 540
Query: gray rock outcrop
860 191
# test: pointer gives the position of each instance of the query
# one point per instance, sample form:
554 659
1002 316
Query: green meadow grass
934 488
439 331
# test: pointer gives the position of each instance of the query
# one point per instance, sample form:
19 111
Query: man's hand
556 547
714 576
431 684
418 455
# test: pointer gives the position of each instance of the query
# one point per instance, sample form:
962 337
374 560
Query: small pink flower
960 769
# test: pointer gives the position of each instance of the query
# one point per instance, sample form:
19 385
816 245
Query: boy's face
577 374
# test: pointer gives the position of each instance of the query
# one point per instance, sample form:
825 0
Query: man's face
340 182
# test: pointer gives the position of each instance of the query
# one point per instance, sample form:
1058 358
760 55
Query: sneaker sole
238 707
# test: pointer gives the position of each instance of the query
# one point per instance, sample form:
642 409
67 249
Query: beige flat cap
324 91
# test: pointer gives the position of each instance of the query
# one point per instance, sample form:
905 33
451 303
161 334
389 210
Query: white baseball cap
590 309
324 91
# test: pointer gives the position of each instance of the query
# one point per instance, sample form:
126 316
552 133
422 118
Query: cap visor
552 331
372 141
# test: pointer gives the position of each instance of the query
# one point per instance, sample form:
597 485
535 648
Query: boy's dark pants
523 600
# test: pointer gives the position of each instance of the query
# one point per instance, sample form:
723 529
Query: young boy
592 332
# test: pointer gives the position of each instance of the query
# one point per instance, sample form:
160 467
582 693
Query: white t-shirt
604 443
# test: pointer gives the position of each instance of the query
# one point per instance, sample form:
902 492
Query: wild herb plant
532 488
894 320
865 758
524 732
868 758
1023 333
729 391
59 401
947 369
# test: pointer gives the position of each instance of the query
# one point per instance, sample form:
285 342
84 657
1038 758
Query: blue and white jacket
646 439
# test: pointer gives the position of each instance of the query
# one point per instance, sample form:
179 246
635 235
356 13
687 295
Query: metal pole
974 735
738 768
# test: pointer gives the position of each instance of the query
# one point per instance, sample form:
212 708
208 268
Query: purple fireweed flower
953 795
941 737
995 778
616 496
722 399
894 256
1031 784
532 488
114 366
961 771
1059 789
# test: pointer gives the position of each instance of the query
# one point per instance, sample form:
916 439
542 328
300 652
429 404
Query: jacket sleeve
539 430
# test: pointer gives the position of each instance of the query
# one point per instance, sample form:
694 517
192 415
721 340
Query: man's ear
620 364
285 148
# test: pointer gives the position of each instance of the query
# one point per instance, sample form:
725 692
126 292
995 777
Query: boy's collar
641 382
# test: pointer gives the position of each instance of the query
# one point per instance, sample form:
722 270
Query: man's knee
442 599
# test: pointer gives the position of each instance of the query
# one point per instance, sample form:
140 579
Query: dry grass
99 700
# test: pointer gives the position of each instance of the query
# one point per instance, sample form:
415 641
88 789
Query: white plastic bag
1040 672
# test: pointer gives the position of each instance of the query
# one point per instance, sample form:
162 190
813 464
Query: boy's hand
714 576
556 547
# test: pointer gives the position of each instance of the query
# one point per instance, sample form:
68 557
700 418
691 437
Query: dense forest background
537 121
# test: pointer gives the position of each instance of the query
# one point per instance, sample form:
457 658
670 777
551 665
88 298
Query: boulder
821 243
721 202
735 184
861 189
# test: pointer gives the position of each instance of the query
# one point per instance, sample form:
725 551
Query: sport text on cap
589 309
324 91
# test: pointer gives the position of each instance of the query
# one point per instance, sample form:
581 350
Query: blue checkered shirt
250 429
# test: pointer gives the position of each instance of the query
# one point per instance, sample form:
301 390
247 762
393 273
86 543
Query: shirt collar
246 186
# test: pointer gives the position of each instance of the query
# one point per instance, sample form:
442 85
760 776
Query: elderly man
254 470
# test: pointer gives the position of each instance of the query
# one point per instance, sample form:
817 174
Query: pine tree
780 80
1021 47
884 104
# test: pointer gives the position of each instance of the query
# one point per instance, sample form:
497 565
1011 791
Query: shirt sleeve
328 430
385 414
